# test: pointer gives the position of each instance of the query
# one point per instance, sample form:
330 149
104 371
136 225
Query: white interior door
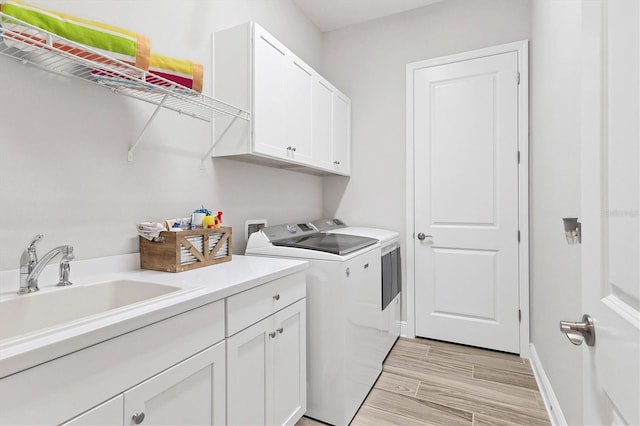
465 126
610 209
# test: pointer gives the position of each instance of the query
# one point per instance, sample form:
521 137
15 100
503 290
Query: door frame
522 48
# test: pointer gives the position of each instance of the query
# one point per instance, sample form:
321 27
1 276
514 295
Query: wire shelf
32 45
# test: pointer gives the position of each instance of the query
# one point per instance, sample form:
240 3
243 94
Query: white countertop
198 287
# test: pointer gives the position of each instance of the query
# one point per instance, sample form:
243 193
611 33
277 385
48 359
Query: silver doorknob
421 236
578 332
138 418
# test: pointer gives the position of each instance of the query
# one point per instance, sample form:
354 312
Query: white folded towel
150 230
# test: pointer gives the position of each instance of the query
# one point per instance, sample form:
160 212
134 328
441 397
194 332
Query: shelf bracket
218 139
146 126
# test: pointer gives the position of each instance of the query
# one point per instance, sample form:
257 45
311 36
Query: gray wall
63 166
555 193
368 62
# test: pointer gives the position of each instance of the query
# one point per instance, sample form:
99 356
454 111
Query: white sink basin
33 312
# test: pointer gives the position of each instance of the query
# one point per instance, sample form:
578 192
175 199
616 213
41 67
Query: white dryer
390 279
343 306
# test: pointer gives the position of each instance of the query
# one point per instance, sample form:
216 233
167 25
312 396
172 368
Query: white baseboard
403 328
548 396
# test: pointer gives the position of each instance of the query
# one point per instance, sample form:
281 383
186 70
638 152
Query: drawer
249 307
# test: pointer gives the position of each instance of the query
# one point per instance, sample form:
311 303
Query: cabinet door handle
366 265
276 297
280 330
337 163
272 334
138 418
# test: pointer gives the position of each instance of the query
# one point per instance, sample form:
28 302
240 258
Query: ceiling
329 15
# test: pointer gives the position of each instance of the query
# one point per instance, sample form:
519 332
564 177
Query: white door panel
299 89
189 393
463 150
270 118
342 134
451 281
248 358
610 209
323 123
466 201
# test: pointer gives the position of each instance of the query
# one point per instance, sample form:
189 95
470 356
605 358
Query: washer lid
331 243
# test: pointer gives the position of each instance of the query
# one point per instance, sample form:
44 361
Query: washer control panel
279 232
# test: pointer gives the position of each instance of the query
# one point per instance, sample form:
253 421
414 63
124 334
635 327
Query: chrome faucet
31 268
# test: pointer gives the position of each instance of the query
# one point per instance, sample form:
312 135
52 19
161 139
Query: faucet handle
29 257
31 248
35 240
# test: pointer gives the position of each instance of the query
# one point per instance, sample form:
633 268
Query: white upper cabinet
331 128
299 120
341 134
299 112
270 72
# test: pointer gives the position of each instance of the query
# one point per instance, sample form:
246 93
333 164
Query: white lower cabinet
190 393
266 370
181 370
289 392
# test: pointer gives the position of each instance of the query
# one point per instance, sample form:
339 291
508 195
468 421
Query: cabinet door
342 134
289 392
323 124
270 68
190 393
248 374
106 414
299 92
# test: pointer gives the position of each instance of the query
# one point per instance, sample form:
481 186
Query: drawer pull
272 334
280 330
366 265
276 297
138 418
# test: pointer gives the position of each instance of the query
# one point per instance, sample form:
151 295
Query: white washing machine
390 279
343 308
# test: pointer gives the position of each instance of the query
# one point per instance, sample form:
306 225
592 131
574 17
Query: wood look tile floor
427 382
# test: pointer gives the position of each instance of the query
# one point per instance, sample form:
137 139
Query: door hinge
518 235
519 315
518 78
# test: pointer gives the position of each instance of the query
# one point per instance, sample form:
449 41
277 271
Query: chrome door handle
577 332
421 236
